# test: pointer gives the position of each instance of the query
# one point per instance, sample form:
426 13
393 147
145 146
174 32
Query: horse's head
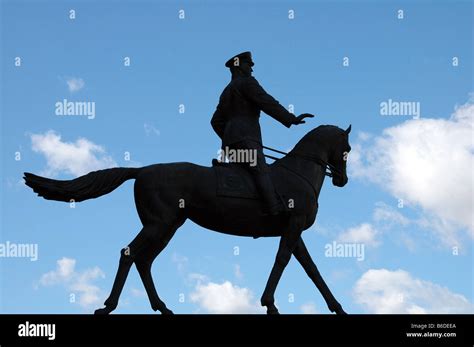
337 156
329 146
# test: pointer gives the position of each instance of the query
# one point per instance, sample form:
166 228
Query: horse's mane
315 137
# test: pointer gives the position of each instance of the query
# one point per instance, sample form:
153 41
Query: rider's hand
299 119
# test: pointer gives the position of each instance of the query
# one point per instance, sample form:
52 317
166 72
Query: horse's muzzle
340 181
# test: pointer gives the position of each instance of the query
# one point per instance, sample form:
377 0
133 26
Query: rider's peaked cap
236 59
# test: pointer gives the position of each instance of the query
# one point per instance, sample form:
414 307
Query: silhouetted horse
168 194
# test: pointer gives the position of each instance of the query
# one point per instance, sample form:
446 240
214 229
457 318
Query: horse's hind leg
144 269
143 264
127 256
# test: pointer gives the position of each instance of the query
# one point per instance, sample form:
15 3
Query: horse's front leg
285 249
304 258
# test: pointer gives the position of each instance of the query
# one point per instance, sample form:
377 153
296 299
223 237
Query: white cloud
388 215
150 130
363 136
76 158
64 270
427 163
181 262
308 308
197 277
364 233
76 282
385 291
224 298
75 84
384 218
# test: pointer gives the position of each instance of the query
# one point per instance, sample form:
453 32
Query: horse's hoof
102 311
273 311
167 312
338 310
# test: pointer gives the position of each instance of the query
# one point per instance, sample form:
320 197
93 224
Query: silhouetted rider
236 121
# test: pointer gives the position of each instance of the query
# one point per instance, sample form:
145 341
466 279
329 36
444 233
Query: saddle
234 181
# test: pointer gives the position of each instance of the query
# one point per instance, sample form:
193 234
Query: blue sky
411 263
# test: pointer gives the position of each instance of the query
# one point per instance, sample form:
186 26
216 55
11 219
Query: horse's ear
348 130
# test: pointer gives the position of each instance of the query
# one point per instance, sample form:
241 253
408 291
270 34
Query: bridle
332 169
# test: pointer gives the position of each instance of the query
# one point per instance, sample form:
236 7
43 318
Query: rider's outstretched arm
252 90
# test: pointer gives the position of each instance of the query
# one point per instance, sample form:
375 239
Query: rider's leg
261 173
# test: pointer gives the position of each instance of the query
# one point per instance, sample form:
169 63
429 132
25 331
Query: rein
317 160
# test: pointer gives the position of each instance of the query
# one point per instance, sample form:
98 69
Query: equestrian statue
239 197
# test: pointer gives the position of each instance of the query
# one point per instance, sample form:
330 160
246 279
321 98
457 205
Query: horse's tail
90 186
